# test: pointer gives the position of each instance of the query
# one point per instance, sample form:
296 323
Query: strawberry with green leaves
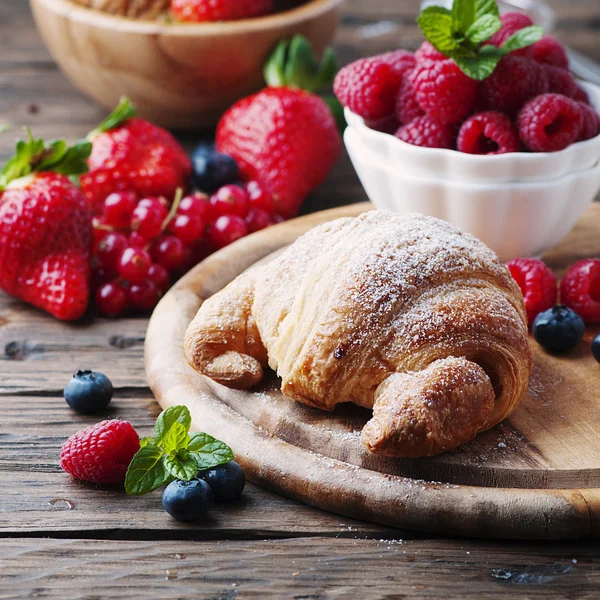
45 227
285 136
133 155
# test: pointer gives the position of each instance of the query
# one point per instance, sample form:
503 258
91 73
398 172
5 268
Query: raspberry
427 132
407 105
590 122
581 95
100 453
538 285
550 51
549 123
515 80
580 289
560 81
443 90
401 60
511 23
428 52
388 125
488 133
368 87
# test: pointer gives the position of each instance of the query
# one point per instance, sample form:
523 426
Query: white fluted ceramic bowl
514 219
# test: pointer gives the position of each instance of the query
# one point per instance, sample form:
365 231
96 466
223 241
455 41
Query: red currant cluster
141 246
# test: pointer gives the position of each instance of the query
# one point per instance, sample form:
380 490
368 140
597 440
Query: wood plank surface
37 355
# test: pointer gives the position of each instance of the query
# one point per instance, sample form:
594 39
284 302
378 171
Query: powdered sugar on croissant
373 311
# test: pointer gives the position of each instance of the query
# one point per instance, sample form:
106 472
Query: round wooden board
536 475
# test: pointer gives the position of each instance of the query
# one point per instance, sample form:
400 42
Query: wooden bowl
181 75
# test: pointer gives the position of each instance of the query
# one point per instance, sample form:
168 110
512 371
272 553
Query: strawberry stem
124 111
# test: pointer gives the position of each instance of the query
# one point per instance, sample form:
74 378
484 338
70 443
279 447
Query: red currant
109 250
147 221
188 228
134 264
143 295
111 299
118 207
159 276
100 276
98 232
137 240
230 200
259 197
169 252
227 229
158 204
197 204
257 219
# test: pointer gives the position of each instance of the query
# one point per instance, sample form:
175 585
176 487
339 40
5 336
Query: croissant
404 315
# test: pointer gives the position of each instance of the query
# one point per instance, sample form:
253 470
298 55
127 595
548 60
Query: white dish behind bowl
514 219
436 163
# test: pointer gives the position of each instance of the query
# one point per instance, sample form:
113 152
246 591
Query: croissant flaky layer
402 314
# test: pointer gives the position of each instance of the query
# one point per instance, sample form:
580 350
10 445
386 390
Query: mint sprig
35 156
173 453
461 33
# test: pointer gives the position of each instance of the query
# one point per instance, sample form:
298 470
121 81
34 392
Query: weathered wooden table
64 539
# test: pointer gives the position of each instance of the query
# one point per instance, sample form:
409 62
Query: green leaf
274 69
437 26
463 14
181 465
146 471
482 65
74 162
174 414
483 29
208 451
327 70
176 438
147 441
301 66
125 110
486 7
523 38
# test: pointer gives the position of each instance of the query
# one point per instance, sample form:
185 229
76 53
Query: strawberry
219 10
133 155
284 137
46 228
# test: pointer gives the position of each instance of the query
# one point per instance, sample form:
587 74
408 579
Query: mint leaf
482 65
176 438
463 14
146 471
181 465
174 414
483 29
125 110
147 441
486 7
208 451
523 38
437 26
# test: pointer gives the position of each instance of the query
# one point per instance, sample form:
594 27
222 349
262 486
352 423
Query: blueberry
213 170
226 481
187 500
88 392
596 347
558 329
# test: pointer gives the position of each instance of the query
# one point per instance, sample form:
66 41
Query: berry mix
503 88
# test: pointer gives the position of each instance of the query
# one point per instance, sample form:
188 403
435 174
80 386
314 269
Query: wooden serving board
536 475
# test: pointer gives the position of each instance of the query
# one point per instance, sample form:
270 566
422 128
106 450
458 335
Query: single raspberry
581 95
100 453
368 87
538 285
549 123
580 289
427 132
550 51
401 60
511 23
427 51
560 81
407 105
514 81
590 122
443 90
488 133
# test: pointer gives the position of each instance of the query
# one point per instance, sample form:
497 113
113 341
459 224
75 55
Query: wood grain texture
389 568
523 478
